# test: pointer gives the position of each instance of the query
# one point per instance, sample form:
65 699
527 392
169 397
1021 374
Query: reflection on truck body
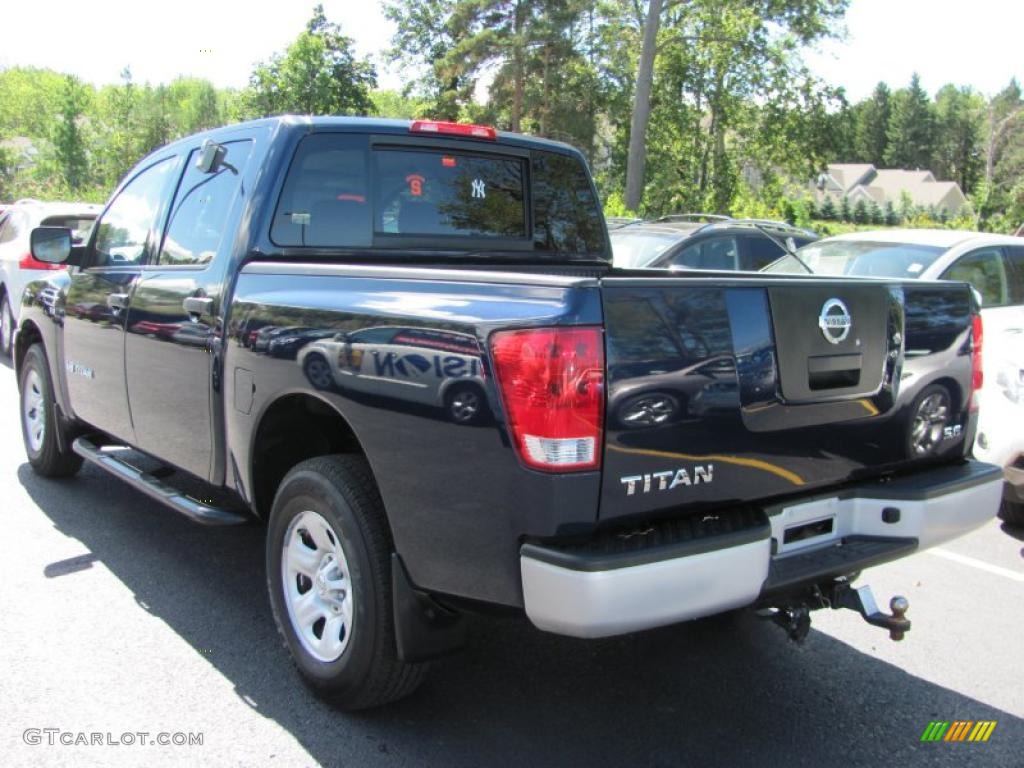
420 365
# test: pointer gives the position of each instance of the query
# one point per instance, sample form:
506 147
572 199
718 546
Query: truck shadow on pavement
724 691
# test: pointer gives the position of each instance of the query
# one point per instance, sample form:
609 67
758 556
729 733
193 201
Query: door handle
197 306
117 301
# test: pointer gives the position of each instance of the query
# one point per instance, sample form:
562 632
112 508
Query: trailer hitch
794 615
862 600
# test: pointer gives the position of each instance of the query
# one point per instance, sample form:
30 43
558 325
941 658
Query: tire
929 416
1012 513
6 326
465 403
318 371
332 503
39 422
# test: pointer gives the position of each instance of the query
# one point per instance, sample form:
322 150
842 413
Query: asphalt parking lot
121 617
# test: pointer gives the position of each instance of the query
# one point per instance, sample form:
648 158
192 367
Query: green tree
845 212
860 211
872 127
875 215
890 217
827 210
959 116
68 142
911 132
317 74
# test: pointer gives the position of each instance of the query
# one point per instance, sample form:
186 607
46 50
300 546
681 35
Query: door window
986 271
715 253
1015 254
122 234
201 207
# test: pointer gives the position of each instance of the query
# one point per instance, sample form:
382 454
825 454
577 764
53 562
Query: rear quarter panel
456 496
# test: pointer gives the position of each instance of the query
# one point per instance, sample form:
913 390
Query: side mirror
790 244
51 244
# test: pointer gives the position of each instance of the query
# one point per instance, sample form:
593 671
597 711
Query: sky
974 43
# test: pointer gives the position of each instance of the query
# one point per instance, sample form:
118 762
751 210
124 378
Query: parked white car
17 267
421 365
994 266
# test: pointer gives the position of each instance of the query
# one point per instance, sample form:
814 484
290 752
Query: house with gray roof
862 181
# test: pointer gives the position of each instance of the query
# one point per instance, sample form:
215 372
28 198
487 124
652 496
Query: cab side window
122 233
985 270
201 207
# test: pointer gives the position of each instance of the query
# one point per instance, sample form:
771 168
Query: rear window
861 258
638 247
439 195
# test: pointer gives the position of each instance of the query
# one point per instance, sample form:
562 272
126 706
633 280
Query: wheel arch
291 428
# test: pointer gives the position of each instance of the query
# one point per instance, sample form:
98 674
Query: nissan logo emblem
835 321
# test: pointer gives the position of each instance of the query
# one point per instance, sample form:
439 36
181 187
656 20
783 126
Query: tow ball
795 616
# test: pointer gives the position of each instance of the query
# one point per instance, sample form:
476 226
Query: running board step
155 489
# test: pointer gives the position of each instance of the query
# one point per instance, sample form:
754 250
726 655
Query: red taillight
454 129
552 384
977 375
28 261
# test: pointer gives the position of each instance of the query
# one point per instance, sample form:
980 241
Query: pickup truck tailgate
726 390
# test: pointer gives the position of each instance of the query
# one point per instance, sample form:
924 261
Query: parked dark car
703 241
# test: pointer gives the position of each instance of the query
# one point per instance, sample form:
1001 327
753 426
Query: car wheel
650 409
329 576
6 326
318 371
464 403
39 423
929 417
1012 513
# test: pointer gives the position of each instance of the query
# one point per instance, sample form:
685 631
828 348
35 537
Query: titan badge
667 479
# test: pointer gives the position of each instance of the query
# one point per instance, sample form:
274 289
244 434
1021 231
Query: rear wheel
329 577
464 403
39 422
6 325
929 418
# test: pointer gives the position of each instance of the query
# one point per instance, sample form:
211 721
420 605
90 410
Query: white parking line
981 565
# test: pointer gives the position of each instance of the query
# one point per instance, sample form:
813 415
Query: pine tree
891 217
68 142
860 211
827 211
911 134
844 209
875 215
872 127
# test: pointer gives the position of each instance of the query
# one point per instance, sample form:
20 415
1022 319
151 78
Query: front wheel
329 577
318 371
39 422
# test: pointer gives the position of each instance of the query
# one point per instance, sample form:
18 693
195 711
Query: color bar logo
959 730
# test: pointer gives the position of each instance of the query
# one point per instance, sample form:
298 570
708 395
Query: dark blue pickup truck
402 346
